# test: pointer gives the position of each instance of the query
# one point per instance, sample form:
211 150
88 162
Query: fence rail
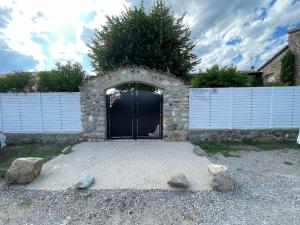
40 112
244 108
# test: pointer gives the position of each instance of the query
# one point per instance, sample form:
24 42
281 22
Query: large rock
179 180
24 170
220 180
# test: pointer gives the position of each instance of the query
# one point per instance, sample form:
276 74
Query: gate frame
175 114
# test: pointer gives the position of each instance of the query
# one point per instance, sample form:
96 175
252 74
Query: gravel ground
267 191
142 164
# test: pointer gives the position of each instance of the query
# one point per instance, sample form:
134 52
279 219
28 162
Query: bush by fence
221 77
16 82
63 78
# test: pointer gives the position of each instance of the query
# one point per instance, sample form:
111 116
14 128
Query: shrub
287 70
64 78
256 80
221 77
16 82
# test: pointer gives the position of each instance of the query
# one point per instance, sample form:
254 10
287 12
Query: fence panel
244 108
70 112
40 112
260 107
199 114
11 115
241 107
221 113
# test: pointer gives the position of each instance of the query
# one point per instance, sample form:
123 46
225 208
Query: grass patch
11 152
25 203
273 145
227 149
223 148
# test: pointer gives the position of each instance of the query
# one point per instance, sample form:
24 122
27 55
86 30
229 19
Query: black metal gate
134 111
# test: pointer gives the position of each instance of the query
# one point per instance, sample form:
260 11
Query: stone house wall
294 46
274 64
175 101
273 67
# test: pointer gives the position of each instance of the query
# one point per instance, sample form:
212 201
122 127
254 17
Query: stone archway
93 101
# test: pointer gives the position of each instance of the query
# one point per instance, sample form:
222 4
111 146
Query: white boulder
219 179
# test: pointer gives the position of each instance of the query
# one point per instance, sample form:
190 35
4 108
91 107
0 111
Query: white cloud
213 23
56 18
220 21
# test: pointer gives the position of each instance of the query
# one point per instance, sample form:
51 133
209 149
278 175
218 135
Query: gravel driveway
267 192
142 164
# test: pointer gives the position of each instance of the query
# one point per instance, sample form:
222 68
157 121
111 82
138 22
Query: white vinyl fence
244 108
40 112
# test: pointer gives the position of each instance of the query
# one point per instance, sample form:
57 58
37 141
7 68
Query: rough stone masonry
175 101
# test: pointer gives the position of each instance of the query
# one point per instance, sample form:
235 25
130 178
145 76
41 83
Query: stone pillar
294 46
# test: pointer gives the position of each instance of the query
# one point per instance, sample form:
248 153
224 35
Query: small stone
220 180
199 151
179 180
66 150
24 170
84 182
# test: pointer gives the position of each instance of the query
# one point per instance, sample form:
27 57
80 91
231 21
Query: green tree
287 70
154 39
256 80
64 78
16 82
220 77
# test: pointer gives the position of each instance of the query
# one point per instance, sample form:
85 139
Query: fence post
293 108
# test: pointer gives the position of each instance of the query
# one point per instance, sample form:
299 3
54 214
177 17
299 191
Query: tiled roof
294 30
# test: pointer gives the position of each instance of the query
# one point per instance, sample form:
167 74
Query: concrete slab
125 165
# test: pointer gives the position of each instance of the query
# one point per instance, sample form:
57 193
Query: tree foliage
256 80
63 78
154 39
220 77
287 70
16 82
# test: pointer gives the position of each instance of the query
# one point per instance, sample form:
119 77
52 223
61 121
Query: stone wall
273 66
242 135
21 138
294 46
175 101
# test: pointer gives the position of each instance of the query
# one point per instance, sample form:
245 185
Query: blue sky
36 34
